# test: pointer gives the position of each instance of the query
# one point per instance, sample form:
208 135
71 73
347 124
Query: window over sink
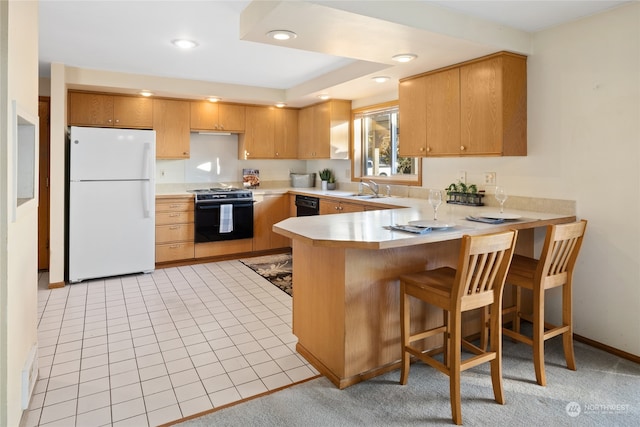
376 142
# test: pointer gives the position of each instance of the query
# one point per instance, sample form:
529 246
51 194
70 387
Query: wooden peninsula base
346 309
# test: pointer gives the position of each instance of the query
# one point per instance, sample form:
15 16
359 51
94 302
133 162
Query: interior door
43 183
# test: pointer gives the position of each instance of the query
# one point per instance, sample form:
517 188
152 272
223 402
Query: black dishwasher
307 205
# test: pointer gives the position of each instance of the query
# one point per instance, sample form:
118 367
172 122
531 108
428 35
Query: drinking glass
435 199
501 197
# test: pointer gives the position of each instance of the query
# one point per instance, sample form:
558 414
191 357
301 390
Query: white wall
583 145
18 271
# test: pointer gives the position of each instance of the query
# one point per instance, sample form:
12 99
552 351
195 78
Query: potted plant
462 194
325 175
331 184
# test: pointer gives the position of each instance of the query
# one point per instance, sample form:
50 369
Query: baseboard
56 285
203 260
608 349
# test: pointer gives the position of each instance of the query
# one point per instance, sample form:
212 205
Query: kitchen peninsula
346 294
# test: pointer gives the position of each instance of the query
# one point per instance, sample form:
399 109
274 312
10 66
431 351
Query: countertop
366 230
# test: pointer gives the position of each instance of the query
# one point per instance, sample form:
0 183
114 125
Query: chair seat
522 271
438 281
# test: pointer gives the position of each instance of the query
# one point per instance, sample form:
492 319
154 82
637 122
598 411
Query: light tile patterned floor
143 350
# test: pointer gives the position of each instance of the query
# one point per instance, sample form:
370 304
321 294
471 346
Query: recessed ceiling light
213 99
184 43
404 57
281 104
380 79
324 96
282 34
145 93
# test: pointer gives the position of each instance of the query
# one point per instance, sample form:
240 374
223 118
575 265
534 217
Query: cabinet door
305 133
132 112
443 113
321 131
258 138
413 117
90 109
329 207
350 207
231 118
481 107
286 133
204 115
171 123
268 210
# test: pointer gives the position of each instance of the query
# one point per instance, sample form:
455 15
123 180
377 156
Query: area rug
275 268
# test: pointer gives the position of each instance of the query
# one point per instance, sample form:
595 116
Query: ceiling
340 44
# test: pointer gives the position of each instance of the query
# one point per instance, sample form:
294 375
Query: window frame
357 151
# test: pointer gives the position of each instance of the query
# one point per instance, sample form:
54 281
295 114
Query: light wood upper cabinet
257 141
324 130
493 105
443 113
213 116
171 123
102 110
270 133
412 94
478 108
286 134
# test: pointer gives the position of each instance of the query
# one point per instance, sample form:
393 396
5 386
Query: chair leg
446 338
455 333
495 342
567 319
516 316
538 335
484 327
405 331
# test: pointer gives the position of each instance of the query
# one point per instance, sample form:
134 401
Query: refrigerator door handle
146 198
146 161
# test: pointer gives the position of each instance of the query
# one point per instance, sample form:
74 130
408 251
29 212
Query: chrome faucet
371 186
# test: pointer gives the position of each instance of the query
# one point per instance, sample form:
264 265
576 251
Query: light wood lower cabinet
174 229
328 206
268 210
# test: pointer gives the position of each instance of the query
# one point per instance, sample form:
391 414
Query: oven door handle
217 205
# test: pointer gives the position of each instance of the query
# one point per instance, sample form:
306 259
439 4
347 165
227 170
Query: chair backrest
560 252
482 268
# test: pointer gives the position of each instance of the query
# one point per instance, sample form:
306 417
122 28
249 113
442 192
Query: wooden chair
554 269
478 281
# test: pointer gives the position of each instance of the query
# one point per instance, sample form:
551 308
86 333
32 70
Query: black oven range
224 213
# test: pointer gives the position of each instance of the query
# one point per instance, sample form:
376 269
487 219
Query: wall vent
29 376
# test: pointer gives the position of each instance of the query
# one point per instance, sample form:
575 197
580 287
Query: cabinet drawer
174 205
174 251
164 218
174 233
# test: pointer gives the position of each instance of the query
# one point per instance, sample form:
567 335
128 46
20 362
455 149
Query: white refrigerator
111 218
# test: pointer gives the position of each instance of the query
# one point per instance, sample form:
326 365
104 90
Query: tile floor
143 350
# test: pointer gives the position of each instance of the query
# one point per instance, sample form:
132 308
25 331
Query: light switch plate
462 177
490 178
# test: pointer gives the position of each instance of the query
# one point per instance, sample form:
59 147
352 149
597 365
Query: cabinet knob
221 127
337 207
186 153
277 154
117 120
109 121
462 147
